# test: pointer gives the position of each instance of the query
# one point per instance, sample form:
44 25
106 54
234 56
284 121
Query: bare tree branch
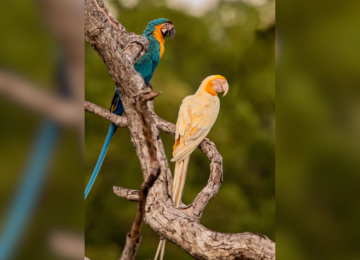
114 44
133 238
131 247
31 96
129 194
216 178
119 121
107 38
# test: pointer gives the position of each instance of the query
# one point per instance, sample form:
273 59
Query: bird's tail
97 168
179 180
178 186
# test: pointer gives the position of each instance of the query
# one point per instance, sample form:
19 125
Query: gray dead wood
133 238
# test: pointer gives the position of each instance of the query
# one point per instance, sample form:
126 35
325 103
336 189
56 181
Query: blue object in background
24 201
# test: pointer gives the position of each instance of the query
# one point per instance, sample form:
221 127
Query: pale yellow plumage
197 115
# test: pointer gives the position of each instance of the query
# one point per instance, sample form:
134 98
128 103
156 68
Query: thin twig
133 238
129 194
119 121
33 97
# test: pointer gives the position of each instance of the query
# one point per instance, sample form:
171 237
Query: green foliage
243 133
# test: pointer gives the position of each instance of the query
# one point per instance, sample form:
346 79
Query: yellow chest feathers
160 38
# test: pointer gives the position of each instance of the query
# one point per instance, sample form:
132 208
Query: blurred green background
235 39
318 126
29 49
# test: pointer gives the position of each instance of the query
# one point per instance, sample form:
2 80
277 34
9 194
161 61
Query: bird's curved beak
225 88
169 32
221 86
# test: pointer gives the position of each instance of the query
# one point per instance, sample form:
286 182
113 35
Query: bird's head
162 25
215 84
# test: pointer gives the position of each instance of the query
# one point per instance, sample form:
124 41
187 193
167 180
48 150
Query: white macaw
197 115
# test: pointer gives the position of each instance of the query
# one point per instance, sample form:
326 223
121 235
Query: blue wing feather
147 64
145 67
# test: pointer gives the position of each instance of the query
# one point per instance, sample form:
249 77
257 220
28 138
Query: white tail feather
179 180
178 186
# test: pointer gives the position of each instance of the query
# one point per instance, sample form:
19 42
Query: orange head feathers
162 30
215 84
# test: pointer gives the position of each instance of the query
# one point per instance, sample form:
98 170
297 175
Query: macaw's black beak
170 33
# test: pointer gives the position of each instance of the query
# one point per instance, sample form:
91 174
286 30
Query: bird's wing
196 117
144 66
148 63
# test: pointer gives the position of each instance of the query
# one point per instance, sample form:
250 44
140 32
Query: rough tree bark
133 238
180 226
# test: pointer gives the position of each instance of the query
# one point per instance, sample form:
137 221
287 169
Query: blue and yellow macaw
155 32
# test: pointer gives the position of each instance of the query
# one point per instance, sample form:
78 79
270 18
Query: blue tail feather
110 134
